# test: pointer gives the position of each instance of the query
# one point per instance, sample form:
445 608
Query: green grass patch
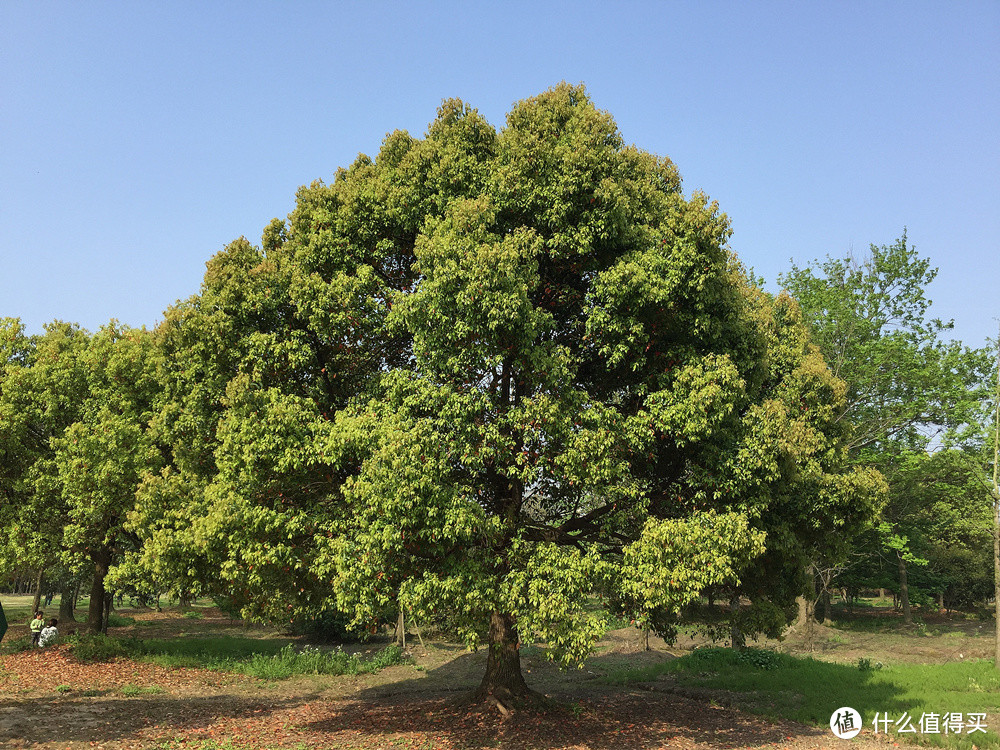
131 691
809 690
274 659
116 620
15 645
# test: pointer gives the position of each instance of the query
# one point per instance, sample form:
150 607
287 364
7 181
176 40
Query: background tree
102 456
75 408
906 382
43 384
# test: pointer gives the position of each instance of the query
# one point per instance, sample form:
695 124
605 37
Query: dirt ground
50 701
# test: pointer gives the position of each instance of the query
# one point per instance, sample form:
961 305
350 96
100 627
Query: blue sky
137 139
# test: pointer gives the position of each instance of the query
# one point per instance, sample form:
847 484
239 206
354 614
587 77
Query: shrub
867 665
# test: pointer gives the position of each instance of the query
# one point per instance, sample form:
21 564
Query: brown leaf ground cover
50 700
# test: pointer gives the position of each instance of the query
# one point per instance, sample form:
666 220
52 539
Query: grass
274 659
131 691
809 690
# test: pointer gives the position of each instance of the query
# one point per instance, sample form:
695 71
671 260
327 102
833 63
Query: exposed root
507 703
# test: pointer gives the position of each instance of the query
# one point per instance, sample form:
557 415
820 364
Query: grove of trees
492 377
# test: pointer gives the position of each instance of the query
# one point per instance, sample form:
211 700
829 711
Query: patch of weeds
194 615
311 660
119 621
130 691
88 647
867 665
93 693
63 689
17 645
268 660
759 658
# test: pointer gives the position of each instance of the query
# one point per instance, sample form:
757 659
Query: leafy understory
238 655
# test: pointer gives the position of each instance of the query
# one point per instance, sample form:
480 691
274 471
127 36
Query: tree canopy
488 375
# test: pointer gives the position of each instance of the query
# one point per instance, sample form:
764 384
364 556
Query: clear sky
137 139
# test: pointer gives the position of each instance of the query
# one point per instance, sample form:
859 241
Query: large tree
490 374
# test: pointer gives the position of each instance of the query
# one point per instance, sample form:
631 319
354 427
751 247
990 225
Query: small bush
63 689
867 665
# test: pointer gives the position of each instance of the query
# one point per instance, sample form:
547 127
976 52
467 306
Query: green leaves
674 560
487 375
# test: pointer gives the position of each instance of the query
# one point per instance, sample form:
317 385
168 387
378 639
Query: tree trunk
803 605
503 681
36 603
739 641
109 601
824 601
904 591
66 602
401 630
95 614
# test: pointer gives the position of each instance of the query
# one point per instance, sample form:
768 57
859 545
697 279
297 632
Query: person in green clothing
36 627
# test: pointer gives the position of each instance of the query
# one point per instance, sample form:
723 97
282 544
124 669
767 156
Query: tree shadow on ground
592 713
89 718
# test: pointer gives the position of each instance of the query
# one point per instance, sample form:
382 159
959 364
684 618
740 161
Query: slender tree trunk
67 604
401 630
36 603
95 614
738 639
503 680
109 601
904 591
